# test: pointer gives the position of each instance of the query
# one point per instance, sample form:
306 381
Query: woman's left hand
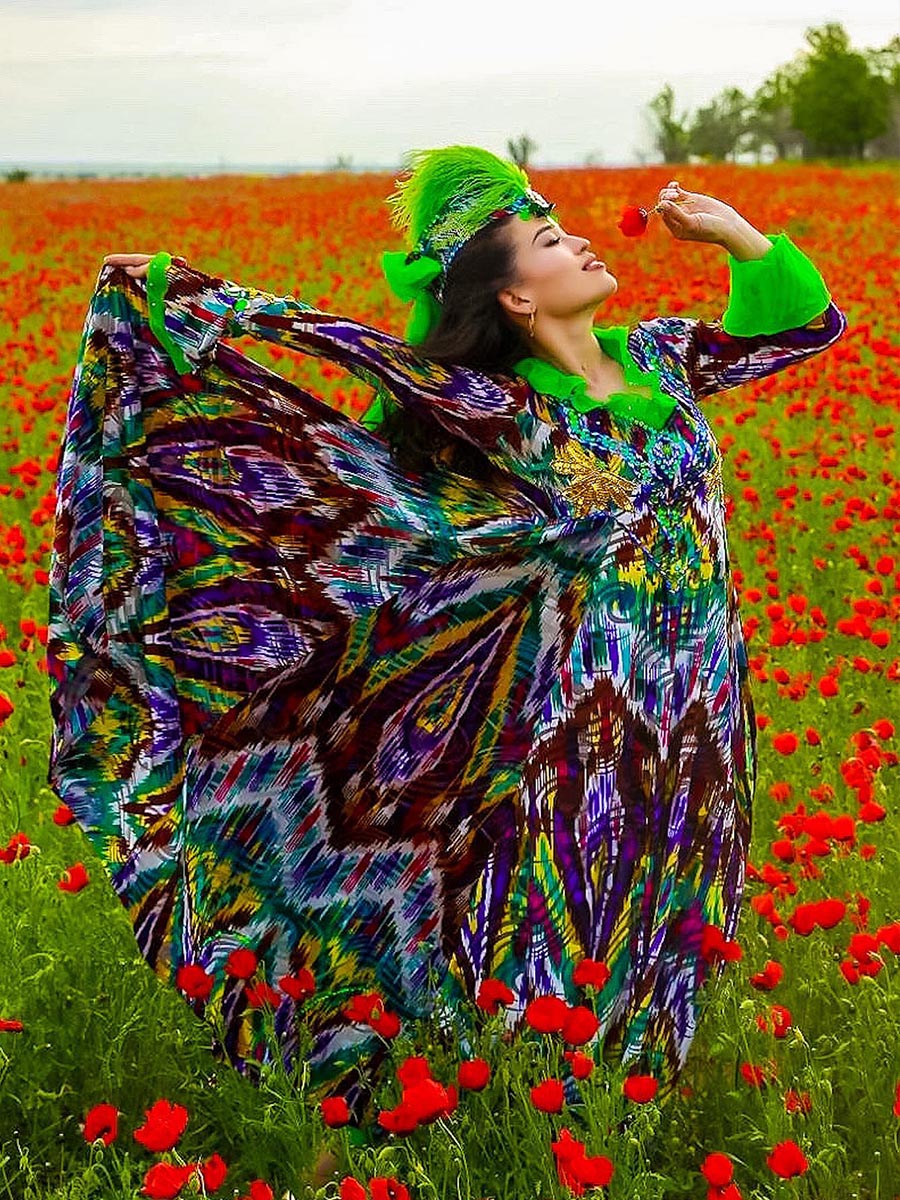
694 217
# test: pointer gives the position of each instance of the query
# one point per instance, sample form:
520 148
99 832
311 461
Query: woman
459 696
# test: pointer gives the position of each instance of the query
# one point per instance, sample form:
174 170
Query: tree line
829 101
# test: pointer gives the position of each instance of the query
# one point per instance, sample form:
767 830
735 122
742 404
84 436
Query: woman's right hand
134 264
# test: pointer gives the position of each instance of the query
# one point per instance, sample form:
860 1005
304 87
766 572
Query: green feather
436 175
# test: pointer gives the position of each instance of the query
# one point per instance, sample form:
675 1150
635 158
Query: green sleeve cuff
203 308
782 290
156 306
374 414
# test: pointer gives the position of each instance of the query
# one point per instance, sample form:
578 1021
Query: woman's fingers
135 264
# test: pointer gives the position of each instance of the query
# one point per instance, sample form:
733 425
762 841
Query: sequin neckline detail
653 410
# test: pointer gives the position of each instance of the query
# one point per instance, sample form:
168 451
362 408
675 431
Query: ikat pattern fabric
409 731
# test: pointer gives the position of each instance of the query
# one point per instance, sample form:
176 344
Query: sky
303 81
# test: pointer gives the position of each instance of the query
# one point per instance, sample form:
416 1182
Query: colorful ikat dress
409 731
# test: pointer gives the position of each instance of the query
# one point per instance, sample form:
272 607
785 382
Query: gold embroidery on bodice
590 486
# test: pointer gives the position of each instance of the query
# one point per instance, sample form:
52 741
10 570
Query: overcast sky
301 81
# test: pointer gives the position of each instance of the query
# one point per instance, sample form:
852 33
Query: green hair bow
409 281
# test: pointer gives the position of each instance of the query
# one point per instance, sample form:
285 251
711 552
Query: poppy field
111 1086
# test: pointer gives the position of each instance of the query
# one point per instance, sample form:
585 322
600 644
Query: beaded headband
450 232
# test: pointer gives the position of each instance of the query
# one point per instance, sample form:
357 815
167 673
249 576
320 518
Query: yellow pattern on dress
712 477
590 486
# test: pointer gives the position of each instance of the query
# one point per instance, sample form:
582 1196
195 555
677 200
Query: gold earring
531 322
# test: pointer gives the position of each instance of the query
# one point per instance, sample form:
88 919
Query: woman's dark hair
473 331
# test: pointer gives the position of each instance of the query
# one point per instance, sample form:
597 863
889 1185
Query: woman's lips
594 265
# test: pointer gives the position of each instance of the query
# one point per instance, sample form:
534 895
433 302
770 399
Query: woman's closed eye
555 240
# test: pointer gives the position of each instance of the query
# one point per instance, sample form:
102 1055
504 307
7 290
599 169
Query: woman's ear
514 303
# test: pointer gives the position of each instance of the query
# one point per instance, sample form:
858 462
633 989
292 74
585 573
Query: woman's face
551 272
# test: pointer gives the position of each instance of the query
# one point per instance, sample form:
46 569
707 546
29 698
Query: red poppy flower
781 1020
260 1190
194 981
579 1026
17 847
102 1121
241 963
785 743
335 1111
548 1096
352 1189
163 1127
74 879
10 1025
212 1172
754 1075
581 1064
567 1151
427 1100
401 1119
591 973
388 1024
413 1070
299 985
594 1170
385 1187
491 994
633 221
797 1101
363 1007
575 1169
546 1014
787 1159
897 1102
713 945
769 977
260 994
165 1180
717 1169
473 1074
872 811
63 815
640 1088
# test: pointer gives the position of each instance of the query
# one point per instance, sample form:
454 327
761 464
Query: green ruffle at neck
653 410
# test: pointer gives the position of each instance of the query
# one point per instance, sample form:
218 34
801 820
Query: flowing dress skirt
408 733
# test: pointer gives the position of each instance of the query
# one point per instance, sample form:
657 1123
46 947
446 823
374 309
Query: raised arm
779 312
189 311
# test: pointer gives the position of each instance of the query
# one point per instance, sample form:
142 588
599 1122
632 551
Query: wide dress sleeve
779 312
190 311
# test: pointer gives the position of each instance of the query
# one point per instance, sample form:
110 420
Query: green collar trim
653 410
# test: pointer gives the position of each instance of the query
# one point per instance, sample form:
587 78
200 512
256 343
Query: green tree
885 62
520 149
839 102
717 129
769 120
670 135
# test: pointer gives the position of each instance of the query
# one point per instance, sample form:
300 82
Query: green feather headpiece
450 194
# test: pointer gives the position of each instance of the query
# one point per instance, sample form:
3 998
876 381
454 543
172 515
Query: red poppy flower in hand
689 216
633 221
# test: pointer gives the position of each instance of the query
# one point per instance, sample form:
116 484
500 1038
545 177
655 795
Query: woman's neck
573 349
